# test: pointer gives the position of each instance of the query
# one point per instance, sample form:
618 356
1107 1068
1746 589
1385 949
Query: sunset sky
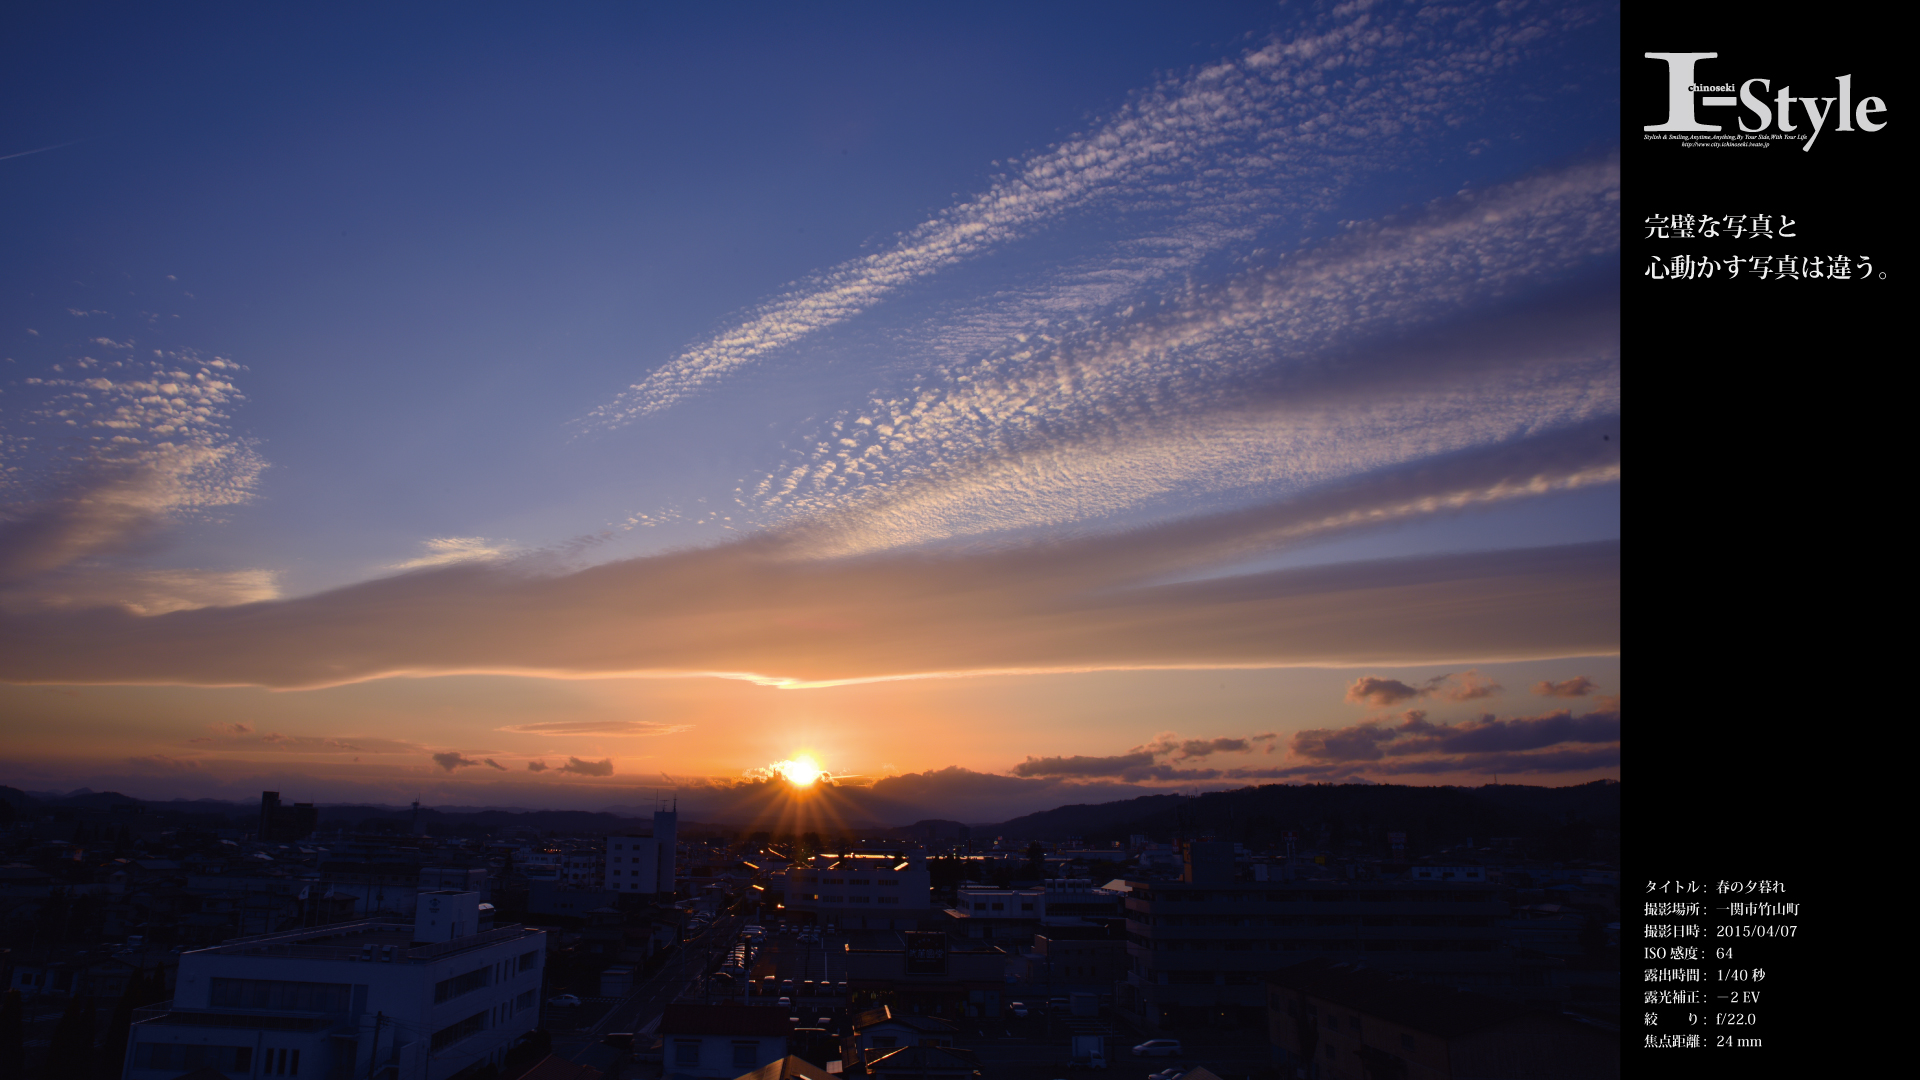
547 406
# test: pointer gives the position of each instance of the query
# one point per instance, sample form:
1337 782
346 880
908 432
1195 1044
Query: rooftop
368 940
1422 1006
724 1020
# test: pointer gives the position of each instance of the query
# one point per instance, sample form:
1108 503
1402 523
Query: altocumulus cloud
1275 133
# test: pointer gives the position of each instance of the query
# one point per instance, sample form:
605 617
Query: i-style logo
1684 94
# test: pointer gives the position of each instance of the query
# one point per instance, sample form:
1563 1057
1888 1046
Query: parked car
785 1003
1019 1009
1158 1048
563 1000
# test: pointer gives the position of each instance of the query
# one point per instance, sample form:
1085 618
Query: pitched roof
791 1067
724 1020
885 1014
1423 1006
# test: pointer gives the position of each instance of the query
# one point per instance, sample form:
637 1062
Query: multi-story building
863 890
1333 1021
987 902
924 972
643 864
381 999
722 1040
1199 949
584 867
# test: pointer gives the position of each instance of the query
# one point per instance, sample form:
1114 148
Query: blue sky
1208 290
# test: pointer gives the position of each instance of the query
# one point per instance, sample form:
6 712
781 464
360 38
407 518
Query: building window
889 899
746 1055
686 1052
448 989
1406 1042
276 994
1026 907
459 1030
182 1057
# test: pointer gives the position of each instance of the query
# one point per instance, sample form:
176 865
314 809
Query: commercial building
643 864
921 972
380 999
862 890
1199 949
1336 1021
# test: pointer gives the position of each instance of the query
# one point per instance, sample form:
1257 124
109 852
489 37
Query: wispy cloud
1279 131
445 551
597 727
1071 604
39 150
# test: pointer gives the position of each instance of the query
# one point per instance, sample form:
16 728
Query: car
563 1000
1168 1074
1158 1048
785 1002
1019 1009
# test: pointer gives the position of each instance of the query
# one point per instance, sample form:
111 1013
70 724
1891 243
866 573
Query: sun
800 770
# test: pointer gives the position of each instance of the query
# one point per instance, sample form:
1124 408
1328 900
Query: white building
862 891
643 864
375 999
986 902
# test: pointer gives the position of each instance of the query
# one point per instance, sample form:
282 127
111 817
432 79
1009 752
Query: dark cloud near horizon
536 766
1578 686
1080 765
1468 685
452 760
603 767
492 764
1372 741
1370 690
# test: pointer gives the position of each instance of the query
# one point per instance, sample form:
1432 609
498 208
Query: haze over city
1000 407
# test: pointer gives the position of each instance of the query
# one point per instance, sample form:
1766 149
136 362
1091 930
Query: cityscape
636 542
154 939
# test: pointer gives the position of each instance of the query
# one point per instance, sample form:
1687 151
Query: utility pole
373 1053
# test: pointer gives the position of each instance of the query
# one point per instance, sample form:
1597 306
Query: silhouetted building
1338 1021
633 863
861 890
1200 949
285 824
722 1040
